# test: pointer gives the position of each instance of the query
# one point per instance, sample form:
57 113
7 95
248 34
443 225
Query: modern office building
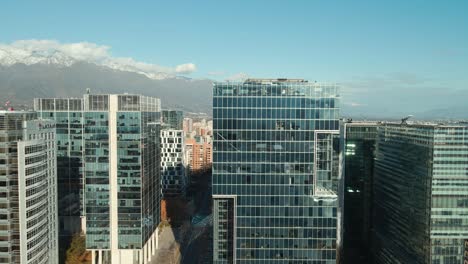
173 172
275 172
122 169
173 118
109 149
421 193
68 115
28 189
358 168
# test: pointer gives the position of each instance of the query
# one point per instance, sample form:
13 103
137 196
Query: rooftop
278 80
15 111
426 124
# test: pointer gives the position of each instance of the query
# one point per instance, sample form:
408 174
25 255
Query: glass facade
449 195
359 146
121 130
174 119
421 194
68 115
96 170
109 150
151 178
275 171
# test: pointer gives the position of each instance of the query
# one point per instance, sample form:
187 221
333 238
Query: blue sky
419 48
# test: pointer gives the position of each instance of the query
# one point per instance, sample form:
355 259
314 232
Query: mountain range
21 82
52 70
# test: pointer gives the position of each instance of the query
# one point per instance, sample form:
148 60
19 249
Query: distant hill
20 83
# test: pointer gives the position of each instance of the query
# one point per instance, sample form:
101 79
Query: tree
77 253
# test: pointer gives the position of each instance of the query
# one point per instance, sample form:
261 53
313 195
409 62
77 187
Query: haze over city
386 55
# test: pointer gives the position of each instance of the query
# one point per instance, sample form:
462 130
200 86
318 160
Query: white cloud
186 68
86 51
241 76
51 51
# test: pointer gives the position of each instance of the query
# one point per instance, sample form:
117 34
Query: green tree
76 253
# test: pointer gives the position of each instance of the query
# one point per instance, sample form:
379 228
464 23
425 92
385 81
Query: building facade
188 125
173 118
199 155
28 184
275 172
421 193
173 172
358 168
68 115
109 166
122 173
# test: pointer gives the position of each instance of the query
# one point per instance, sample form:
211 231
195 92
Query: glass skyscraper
421 193
109 150
121 166
173 118
359 146
275 171
68 115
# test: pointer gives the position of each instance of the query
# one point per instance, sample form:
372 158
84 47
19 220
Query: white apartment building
173 172
28 189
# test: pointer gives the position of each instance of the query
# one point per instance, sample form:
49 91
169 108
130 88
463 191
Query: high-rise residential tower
28 189
198 155
359 145
275 171
173 165
421 193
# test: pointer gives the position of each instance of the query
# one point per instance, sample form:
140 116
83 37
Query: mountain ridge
21 83
31 52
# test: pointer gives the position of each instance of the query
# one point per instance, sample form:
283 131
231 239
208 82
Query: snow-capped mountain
13 56
47 52
21 83
42 68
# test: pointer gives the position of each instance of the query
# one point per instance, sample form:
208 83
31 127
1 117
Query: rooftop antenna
403 120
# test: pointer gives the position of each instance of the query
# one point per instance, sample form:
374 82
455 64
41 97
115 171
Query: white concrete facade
37 193
173 163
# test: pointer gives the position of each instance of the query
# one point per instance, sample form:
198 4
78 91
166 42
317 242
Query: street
189 243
